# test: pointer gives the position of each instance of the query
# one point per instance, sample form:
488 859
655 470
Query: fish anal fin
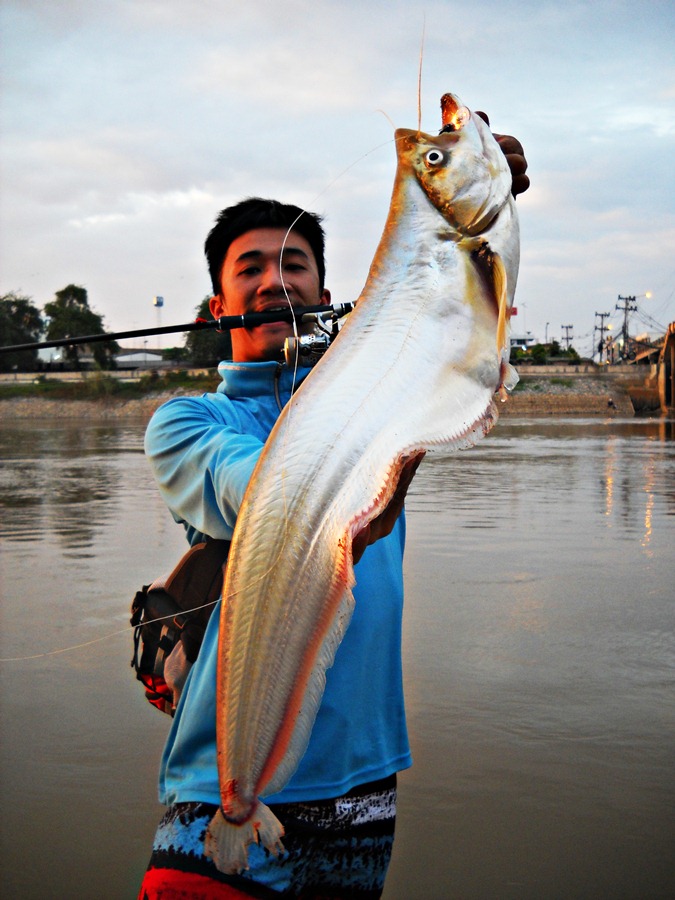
307 689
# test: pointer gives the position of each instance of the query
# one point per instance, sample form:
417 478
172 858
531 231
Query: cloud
143 207
127 125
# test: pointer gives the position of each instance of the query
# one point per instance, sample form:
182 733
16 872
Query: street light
158 303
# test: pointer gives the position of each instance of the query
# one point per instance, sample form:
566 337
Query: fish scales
416 366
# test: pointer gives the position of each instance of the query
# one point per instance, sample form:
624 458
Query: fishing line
304 211
419 79
97 640
294 321
337 178
130 628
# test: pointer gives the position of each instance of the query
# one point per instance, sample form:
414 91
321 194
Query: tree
20 323
174 354
207 347
538 354
70 316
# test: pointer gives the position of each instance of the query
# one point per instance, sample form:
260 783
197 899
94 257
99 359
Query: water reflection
611 471
60 481
538 661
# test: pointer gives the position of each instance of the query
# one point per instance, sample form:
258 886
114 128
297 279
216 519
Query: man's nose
271 281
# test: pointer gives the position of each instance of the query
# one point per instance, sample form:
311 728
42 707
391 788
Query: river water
538 652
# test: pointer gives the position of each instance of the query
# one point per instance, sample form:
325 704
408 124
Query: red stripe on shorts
171 884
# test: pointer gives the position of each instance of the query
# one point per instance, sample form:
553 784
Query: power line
648 320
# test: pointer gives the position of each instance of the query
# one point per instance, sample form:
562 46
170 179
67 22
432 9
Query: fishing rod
301 315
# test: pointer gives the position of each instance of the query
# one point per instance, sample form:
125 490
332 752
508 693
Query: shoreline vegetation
100 395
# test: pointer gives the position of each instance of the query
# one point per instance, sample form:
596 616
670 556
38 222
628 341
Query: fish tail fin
227 843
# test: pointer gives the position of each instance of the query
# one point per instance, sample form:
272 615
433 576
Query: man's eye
294 267
250 270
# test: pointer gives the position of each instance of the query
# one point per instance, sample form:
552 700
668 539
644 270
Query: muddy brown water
538 652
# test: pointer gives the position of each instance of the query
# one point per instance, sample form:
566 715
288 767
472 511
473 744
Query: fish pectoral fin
502 297
492 272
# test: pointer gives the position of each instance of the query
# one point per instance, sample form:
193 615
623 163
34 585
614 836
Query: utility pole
629 305
602 328
568 337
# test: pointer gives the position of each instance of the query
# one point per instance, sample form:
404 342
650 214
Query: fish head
462 170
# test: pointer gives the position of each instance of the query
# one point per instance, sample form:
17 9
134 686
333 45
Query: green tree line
69 315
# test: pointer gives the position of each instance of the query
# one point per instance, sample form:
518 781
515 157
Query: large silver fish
416 366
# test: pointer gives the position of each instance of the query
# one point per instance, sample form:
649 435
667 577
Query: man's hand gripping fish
415 367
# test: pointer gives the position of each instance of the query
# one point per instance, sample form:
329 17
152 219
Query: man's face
253 279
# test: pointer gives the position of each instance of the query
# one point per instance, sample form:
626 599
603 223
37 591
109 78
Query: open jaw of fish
415 367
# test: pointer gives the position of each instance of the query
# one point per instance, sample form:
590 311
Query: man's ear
217 306
325 297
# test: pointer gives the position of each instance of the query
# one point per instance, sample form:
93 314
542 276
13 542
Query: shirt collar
257 378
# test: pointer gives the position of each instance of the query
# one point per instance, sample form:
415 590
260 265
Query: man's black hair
256 212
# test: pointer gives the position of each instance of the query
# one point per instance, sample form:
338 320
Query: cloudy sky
127 124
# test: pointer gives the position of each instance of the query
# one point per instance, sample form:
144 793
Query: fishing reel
307 349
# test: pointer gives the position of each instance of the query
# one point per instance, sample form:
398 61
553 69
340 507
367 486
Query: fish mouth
454 115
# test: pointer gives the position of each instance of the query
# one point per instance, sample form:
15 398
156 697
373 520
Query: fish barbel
415 367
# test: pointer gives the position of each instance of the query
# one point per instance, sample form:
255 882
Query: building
523 341
138 359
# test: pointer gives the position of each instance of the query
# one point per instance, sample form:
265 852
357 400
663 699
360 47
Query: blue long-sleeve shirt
203 451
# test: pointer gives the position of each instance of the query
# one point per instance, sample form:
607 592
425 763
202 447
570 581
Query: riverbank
104 408
536 396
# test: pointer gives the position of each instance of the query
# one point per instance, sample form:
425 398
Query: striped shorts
333 849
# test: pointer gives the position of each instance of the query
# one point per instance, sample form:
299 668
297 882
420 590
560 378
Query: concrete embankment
559 396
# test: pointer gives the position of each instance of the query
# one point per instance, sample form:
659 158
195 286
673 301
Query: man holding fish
329 792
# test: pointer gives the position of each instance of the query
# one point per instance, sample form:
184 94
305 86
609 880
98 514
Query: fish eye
434 158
